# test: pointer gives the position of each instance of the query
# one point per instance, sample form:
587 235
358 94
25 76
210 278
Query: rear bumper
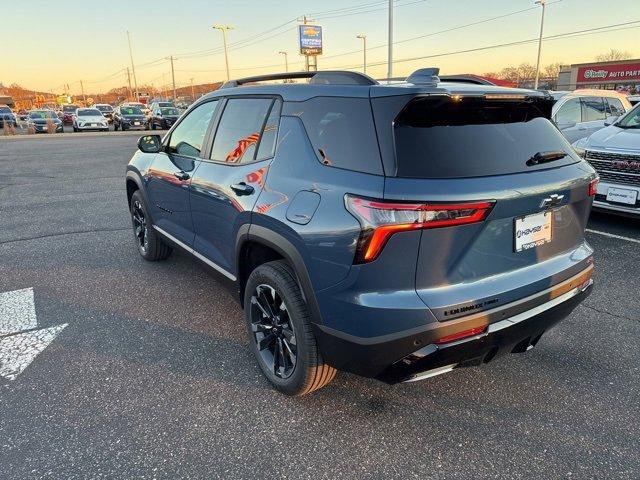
412 355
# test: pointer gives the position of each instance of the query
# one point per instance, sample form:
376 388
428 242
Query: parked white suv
614 152
580 113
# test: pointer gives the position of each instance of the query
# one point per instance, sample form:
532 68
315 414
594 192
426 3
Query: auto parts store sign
609 73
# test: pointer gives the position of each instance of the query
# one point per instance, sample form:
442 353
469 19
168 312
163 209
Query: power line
576 33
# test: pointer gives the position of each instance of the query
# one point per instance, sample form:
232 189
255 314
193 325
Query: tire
115 127
75 129
153 126
305 371
148 241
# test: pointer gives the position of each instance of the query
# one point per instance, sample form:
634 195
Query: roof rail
326 77
467 78
428 76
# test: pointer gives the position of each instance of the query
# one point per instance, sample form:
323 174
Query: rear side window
570 112
615 106
593 109
341 131
441 137
188 136
239 130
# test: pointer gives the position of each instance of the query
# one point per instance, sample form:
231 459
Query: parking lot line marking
18 351
611 235
17 311
20 339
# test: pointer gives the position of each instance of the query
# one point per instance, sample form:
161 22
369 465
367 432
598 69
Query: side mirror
150 144
610 120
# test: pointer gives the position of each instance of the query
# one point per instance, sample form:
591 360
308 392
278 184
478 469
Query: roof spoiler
423 76
326 77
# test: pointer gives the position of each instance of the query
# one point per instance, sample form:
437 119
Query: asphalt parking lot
148 374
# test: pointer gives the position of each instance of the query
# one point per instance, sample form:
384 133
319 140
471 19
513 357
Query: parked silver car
580 113
614 152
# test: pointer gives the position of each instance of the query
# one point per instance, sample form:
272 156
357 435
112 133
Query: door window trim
215 125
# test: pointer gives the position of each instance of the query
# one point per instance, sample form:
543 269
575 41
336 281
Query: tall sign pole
133 67
390 42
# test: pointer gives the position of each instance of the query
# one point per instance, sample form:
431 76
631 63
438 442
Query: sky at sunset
51 43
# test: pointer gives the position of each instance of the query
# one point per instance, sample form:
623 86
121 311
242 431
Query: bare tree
552 70
613 54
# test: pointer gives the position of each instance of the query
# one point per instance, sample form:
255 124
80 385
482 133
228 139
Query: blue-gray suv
396 231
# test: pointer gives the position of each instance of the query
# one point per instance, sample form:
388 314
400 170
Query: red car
67 114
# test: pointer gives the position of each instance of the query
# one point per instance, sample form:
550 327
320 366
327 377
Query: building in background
623 75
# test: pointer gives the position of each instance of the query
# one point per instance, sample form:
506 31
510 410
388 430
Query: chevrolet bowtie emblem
551 201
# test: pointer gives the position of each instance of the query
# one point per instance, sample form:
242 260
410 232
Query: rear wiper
544 157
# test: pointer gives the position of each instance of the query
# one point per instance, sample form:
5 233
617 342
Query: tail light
593 186
379 220
472 332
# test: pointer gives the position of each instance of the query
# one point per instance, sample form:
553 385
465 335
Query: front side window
188 136
570 112
615 107
593 109
239 130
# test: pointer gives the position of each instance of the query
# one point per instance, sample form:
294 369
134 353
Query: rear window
444 137
341 131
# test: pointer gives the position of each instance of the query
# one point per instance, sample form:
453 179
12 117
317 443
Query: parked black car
163 117
127 118
40 120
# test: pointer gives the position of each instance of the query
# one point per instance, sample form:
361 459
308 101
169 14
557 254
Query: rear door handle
182 175
242 188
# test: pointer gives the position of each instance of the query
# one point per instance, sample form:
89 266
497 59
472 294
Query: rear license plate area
533 231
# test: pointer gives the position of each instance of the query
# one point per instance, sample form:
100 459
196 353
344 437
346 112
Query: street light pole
364 52
224 29
133 68
173 78
390 42
542 3
286 60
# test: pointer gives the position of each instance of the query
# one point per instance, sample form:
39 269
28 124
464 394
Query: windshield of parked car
631 120
42 114
5 110
69 108
89 112
131 111
169 111
165 104
104 108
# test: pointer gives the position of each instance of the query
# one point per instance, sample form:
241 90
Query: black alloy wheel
140 227
273 331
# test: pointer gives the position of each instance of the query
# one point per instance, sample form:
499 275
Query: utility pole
224 29
364 52
542 3
286 60
193 95
133 68
173 78
390 41
129 81
84 97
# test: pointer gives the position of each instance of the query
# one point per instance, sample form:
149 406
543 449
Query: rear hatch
502 152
